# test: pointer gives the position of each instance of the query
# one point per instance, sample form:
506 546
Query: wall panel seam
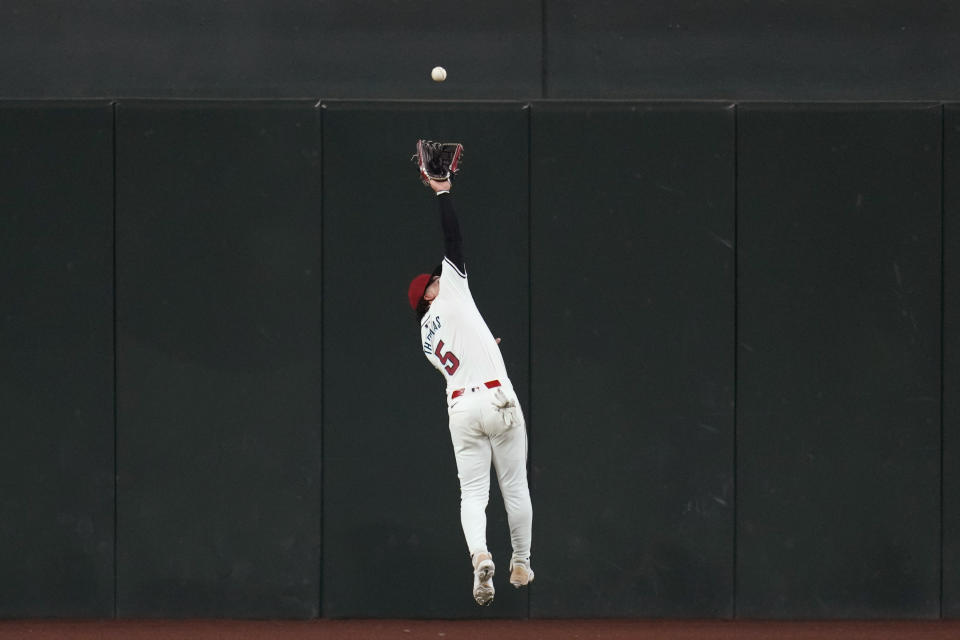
116 435
323 405
943 145
736 349
530 332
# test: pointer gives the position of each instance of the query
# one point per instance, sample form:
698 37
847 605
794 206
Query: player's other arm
452 240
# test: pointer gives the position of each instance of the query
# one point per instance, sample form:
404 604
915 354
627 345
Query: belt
492 384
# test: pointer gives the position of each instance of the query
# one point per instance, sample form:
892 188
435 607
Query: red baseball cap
417 286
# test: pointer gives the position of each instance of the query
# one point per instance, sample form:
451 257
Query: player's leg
509 445
473 455
472 451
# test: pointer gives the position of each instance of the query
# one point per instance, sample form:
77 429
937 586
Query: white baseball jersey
454 337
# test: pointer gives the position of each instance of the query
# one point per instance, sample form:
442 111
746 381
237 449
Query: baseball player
486 423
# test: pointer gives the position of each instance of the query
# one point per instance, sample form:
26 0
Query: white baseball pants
487 426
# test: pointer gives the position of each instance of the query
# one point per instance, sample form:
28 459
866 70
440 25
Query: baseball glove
437 160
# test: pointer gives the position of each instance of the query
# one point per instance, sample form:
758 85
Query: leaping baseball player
486 422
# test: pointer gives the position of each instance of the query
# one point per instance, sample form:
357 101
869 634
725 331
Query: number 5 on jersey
452 361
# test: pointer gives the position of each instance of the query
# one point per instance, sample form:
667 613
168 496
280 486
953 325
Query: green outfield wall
732 326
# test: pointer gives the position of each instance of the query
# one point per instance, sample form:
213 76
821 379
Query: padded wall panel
56 376
393 545
951 363
838 404
219 305
632 367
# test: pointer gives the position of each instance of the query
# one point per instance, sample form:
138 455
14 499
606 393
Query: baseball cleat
483 578
520 572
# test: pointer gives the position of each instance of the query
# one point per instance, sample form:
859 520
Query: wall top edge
614 102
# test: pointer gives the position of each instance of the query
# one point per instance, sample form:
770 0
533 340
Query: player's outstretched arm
452 240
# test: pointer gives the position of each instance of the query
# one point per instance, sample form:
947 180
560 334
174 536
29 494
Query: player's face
432 289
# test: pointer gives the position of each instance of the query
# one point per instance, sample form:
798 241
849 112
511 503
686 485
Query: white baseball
439 74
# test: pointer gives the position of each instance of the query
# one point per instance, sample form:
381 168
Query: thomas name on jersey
431 332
